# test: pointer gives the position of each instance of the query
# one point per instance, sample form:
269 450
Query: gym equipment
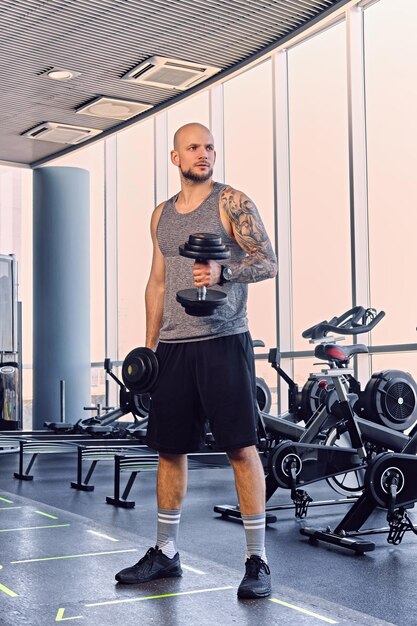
263 395
100 425
140 370
389 398
10 346
389 484
203 247
290 464
293 464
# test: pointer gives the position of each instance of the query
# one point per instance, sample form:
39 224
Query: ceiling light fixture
59 73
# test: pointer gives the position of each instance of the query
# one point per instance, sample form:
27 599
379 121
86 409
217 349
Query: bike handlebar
352 322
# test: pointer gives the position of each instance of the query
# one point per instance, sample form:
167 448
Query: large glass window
135 203
248 137
319 186
404 361
16 238
391 103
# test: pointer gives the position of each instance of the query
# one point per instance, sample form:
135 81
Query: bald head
189 132
194 152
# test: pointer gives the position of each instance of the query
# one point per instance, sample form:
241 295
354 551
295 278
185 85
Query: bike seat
331 352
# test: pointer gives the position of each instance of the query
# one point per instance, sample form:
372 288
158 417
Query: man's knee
243 454
171 458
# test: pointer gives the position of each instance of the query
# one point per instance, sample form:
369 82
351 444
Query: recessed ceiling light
114 108
58 73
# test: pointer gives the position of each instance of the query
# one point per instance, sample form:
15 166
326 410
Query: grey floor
43 521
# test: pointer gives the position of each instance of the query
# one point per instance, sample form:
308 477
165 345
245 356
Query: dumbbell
140 370
203 247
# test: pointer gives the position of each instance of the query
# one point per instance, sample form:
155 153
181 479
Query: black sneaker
155 564
256 582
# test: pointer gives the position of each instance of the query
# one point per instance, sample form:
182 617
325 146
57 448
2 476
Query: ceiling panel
104 39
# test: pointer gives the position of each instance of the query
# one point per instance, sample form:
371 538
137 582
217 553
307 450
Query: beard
195 177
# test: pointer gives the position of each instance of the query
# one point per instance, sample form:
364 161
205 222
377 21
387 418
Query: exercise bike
293 465
389 483
290 465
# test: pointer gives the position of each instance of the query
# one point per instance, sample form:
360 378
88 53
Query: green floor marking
8 591
164 595
72 556
47 514
9 530
298 608
6 500
60 616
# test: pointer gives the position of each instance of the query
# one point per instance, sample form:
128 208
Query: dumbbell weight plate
140 370
188 246
203 247
141 404
204 253
199 308
204 239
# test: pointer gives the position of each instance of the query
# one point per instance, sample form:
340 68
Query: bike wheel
350 483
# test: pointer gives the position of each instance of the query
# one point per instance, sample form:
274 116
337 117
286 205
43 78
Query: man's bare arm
251 236
155 289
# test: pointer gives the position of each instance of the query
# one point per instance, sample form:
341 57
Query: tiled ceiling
104 39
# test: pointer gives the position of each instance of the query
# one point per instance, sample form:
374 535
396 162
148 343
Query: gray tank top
173 230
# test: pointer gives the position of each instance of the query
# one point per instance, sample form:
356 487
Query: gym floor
60 549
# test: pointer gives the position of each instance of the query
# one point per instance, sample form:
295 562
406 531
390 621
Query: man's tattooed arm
250 235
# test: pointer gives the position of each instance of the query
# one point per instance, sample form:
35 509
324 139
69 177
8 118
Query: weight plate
140 370
188 298
141 404
204 239
204 256
263 395
221 248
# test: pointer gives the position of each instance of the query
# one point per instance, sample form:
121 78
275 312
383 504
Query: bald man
207 363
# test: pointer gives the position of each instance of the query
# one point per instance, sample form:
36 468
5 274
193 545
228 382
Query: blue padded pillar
61 292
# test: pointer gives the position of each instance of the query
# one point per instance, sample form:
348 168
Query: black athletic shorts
204 381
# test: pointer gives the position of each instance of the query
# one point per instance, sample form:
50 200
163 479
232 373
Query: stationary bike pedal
301 502
399 523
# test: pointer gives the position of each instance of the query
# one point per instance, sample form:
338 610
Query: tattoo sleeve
250 235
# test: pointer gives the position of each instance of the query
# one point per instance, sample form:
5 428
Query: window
135 203
391 102
248 137
319 186
16 238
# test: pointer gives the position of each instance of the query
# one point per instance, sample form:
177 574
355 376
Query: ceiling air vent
61 133
170 73
113 108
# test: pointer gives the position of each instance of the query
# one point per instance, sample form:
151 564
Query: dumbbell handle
201 291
